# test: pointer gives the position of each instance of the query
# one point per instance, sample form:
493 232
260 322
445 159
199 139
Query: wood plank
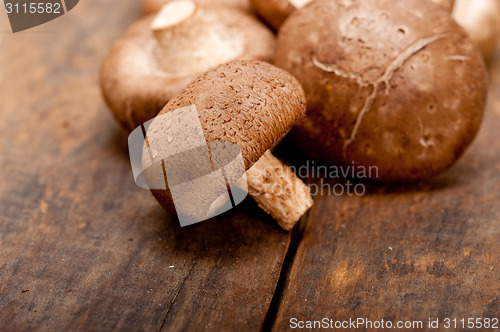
83 248
414 252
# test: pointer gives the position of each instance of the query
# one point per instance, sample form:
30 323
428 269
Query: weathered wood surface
430 250
83 248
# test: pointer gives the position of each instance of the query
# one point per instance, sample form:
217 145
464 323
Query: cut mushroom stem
176 20
185 36
299 3
278 191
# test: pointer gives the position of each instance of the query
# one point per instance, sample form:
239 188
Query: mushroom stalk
299 3
278 191
185 35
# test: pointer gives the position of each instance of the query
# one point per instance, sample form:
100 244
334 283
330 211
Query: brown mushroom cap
392 84
249 103
153 6
136 79
275 12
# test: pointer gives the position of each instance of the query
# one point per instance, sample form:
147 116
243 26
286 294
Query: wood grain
83 248
428 250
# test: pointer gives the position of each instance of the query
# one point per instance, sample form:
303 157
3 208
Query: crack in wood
179 289
286 268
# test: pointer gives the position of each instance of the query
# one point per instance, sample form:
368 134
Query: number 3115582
33 8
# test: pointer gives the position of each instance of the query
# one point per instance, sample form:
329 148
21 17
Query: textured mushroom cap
152 6
275 12
136 88
249 103
392 84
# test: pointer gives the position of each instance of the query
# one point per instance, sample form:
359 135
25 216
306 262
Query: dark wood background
82 248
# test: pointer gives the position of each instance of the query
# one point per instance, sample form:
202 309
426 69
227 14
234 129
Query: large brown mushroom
153 6
395 85
160 54
248 104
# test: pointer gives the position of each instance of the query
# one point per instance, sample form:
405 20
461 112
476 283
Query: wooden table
83 248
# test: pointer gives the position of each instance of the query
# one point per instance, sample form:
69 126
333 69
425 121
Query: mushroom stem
299 3
185 35
278 191
176 19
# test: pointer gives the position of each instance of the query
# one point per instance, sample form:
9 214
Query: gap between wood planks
279 291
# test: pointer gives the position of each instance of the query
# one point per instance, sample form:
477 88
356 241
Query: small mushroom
160 54
395 85
153 6
481 20
247 104
275 12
